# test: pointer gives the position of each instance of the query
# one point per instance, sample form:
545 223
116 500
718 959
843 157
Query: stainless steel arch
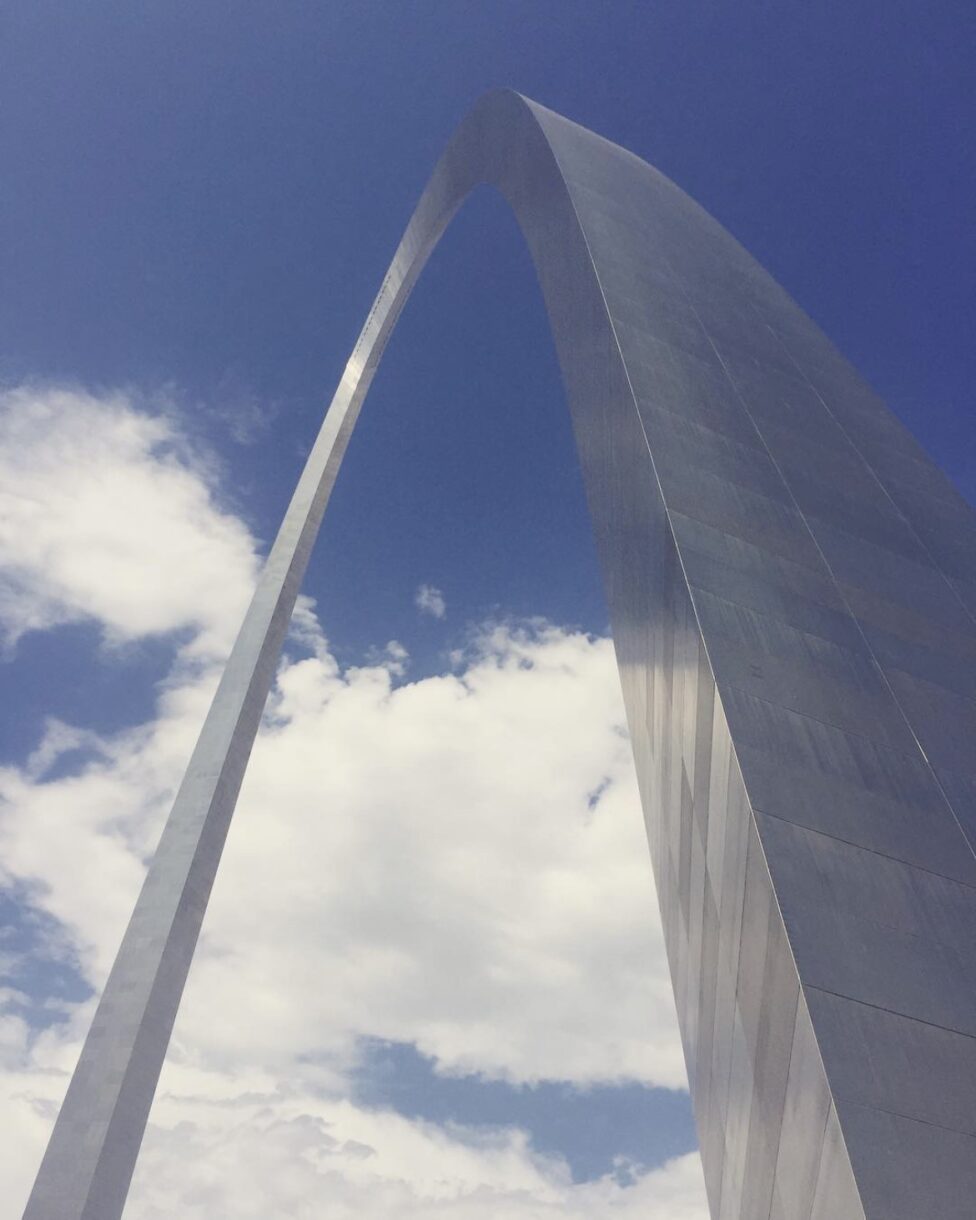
792 586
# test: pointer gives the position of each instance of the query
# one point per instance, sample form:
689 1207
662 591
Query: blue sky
198 202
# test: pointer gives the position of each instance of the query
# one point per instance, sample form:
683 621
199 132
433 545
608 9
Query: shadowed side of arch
794 635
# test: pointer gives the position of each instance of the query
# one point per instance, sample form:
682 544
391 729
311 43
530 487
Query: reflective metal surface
792 586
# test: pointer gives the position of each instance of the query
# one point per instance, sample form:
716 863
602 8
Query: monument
792 588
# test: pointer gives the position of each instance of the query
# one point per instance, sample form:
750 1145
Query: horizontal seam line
826 723
874 851
817 568
948 1029
767 614
912 1118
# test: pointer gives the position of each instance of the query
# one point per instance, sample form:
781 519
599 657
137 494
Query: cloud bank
456 863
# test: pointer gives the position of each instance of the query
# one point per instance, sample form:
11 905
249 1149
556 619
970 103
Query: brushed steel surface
792 587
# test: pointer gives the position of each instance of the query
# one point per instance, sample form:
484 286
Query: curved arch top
792 588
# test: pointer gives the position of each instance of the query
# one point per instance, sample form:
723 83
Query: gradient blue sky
199 200
205 197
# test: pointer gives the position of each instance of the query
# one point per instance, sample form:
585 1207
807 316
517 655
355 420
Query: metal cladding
792 586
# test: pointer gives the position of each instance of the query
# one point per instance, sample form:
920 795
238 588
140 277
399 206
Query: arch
793 621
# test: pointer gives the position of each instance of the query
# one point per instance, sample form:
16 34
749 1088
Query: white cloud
233 1147
431 849
300 1158
102 516
429 600
456 862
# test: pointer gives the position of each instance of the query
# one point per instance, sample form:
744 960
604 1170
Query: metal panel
836 1193
907 1169
889 1062
792 587
805 1110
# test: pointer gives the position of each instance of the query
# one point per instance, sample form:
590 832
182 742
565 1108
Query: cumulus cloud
104 516
462 858
305 1160
483 888
232 1148
456 862
429 600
